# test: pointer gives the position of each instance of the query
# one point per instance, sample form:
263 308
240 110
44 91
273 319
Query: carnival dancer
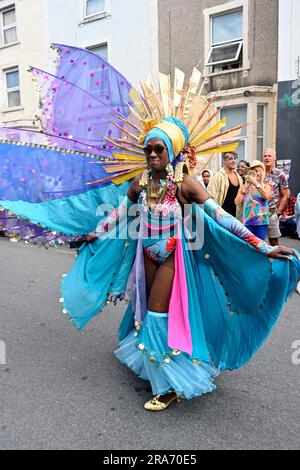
204 293
187 370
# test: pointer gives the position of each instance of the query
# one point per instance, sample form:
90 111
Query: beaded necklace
161 199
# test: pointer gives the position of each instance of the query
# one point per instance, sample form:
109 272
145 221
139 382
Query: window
261 129
101 50
235 116
12 82
227 28
98 85
9 27
94 7
226 41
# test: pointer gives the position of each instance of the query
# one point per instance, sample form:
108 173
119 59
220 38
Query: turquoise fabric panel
102 268
236 295
127 323
200 348
75 215
226 275
156 363
241 295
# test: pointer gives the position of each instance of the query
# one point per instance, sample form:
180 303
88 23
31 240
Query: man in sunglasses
225 184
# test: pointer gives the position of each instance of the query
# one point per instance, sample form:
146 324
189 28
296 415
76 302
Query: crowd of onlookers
258 194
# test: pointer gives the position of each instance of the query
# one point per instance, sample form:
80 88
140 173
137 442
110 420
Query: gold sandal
155 405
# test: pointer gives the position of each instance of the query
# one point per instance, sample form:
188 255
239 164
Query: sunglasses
157 149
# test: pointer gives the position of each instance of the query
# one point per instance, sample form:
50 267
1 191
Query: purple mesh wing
14 134
76 108
94 75
73 113
37 174
22 230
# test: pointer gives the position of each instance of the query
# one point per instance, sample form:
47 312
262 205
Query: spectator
242 169
279 194
287 222
225 184
254 196
204 177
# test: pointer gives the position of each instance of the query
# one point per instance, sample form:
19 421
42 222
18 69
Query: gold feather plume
185 102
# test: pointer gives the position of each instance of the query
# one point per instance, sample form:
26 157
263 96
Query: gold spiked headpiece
185 102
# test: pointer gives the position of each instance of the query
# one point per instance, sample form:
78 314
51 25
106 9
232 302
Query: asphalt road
61 389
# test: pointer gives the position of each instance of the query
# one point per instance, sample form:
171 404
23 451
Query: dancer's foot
160 403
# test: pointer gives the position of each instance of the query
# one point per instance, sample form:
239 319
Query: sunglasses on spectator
157 149
233 158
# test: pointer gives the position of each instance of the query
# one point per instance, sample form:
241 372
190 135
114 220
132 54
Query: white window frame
9 90
225 61
98 44
94 46
223 9
259 95
5 28
105 40
98 13
244 138
265 126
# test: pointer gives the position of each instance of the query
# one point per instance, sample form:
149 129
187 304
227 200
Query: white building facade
123 32
21 44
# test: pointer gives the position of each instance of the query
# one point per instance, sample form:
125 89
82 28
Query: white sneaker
298 287
13 240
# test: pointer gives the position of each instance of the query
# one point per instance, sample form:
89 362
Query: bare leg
150 272
161 289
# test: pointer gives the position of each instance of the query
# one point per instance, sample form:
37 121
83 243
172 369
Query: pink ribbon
179 331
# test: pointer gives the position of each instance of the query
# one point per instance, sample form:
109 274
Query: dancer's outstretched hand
91 237
282 252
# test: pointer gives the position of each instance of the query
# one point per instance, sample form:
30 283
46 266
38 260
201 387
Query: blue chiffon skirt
147 354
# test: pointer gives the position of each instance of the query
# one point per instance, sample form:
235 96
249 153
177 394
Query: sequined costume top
159 238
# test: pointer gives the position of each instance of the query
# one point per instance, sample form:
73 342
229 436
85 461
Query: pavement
61 389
